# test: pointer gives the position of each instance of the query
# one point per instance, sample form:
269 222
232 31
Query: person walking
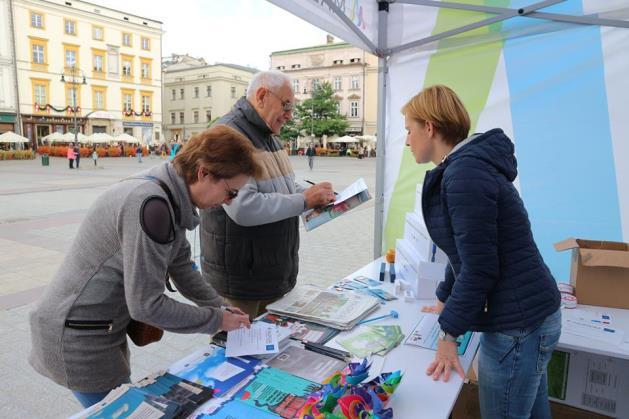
138 152
496 281
95 157
71 156
77 154
311 153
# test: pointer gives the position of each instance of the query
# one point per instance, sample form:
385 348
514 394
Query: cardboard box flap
569 243
572 243
598 257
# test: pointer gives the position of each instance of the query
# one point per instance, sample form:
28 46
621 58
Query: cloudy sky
242 32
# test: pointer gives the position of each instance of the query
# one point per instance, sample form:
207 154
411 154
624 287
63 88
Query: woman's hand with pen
319 195
234 318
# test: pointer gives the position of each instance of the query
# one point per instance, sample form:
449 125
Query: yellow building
80 59
352 73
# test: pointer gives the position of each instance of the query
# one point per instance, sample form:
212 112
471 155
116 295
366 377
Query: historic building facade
352 73
87 65
8 80
195 93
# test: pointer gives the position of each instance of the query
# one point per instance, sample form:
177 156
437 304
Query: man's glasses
231 193
286 105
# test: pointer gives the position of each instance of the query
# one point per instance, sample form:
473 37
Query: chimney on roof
329 39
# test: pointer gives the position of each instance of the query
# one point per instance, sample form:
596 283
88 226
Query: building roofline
235 66
108 8
313 48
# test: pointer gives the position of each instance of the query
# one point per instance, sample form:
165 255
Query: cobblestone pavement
40 211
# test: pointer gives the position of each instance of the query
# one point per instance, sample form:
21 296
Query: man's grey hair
271 79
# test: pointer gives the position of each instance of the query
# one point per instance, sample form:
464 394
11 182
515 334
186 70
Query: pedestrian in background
138 152
95 157
311 153
71 156
77 154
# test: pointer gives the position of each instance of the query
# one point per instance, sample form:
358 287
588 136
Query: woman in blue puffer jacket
496 282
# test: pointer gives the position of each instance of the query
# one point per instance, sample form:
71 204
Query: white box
418 201
421 276
416 233
425 269
590 381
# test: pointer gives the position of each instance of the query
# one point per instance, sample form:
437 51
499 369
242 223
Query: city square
476 153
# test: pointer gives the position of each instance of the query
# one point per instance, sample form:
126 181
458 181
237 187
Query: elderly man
250 248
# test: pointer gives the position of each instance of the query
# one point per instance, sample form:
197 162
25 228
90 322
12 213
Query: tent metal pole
338 12
584 20
383 14
509 13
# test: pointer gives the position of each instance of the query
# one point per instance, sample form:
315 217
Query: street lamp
76 77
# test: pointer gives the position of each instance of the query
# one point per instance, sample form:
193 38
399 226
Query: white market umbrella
367 138
101 137
55 136
344 139
69 137
11 137
126 138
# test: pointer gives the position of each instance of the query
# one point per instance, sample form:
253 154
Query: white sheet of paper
355 188
578 322
260 339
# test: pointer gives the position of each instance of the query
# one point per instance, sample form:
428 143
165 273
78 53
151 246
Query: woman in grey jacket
132 237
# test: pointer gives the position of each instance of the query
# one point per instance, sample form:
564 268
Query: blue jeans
89 399
512 370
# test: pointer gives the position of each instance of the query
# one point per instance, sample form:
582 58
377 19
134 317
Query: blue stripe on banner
562 134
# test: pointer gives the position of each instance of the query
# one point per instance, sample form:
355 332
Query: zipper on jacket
90 324
486 308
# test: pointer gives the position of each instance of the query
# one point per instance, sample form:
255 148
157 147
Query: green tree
318 114
213 121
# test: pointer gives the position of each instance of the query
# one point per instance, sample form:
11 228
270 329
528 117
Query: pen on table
326 350
312 183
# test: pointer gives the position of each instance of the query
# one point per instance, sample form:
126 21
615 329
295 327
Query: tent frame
384 53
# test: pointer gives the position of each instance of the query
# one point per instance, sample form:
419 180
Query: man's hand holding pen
319 195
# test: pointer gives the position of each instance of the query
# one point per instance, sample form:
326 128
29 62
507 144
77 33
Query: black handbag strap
173 204
168 193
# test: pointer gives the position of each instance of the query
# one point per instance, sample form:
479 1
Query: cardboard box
468 407
599 271
589 381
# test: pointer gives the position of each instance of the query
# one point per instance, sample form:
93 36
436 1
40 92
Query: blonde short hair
443 108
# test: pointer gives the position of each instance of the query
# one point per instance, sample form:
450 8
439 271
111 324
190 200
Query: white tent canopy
70 137
101 137
126 138
344 139
55 136
11 137
367 138
538 70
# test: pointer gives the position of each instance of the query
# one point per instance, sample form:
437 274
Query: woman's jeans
512 370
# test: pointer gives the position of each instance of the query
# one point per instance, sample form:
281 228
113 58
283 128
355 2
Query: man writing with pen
250 249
